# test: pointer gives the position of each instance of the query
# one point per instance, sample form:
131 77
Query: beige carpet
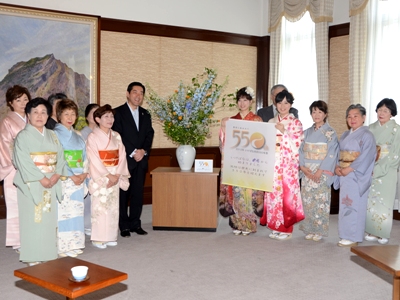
201 265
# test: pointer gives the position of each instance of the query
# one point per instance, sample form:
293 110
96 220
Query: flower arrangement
187 113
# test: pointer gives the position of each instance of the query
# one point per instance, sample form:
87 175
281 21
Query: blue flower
186 114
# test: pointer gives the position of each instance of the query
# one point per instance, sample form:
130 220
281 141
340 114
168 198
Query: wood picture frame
49 52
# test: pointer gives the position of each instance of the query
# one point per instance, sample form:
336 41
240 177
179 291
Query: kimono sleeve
367 154
28 175
23 161
391 160
331 159
221 135
6 141
61 167
85 160
293 134
301 151
122 168
85 165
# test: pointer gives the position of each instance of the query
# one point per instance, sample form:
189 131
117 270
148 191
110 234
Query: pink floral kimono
283 205
10 126
106 154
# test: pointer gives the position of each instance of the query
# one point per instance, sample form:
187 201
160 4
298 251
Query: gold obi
347 157
315 151
109 158
382 151
45 161
278 143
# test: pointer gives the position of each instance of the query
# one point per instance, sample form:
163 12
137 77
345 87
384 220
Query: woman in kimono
89 110
71 236
16 97
109 172
384 177
39 159
91 124
283 204
318 159
242 205
354 174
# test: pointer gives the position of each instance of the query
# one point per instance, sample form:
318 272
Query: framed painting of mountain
49 52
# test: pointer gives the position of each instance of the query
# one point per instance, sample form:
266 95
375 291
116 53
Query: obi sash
347 157
315 151
74 158
45 161
109 158
382 151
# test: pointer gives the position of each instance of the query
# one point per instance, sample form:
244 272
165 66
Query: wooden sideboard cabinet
185 200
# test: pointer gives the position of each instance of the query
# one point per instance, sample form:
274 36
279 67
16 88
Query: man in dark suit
133 123
270 112
53 100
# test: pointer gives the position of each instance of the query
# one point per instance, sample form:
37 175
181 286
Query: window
383 56
298 65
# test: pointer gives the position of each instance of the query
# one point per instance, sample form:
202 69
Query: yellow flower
180 118
174 113
187 96
169 101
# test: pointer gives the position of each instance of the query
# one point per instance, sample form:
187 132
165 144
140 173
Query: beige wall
163 62
339 95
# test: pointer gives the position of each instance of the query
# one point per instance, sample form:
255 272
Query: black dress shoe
125 233
139 231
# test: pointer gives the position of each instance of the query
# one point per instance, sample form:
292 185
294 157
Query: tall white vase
185 155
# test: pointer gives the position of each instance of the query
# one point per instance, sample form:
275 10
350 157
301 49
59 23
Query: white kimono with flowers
105 202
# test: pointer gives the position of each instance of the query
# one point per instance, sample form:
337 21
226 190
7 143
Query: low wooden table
53 275
385 257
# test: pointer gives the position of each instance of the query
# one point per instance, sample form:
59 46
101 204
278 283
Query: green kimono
384 178
37 155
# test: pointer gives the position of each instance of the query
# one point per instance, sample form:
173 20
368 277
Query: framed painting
49 52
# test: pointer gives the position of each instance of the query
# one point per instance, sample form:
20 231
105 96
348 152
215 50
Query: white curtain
322 51
293 10
299 51
357 54
375 38
275 57
298 68
383 55
357 6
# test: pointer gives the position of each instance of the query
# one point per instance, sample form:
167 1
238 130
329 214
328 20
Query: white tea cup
79 272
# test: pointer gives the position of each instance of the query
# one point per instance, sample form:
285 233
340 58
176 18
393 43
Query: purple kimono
355 186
